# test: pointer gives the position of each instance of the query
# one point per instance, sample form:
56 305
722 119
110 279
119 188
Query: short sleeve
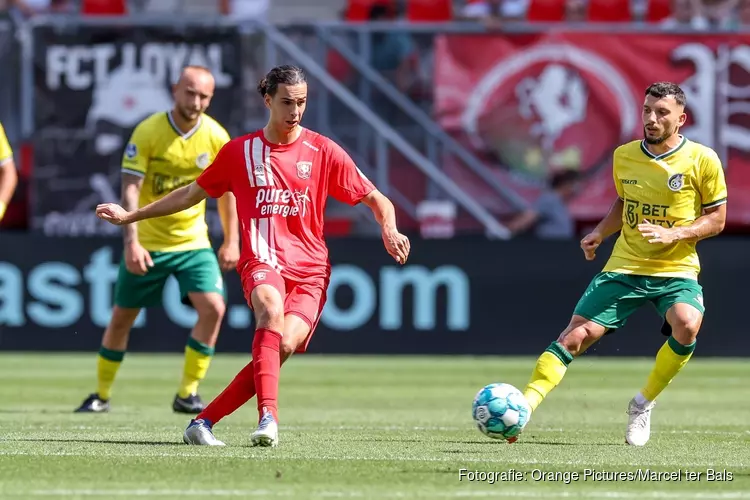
137 151
713 185
616 177
216 179
346 182
6 153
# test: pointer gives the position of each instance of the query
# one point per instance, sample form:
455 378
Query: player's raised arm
176 201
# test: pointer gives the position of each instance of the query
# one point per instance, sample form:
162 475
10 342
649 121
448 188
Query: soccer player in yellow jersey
169 150
8 173
671 194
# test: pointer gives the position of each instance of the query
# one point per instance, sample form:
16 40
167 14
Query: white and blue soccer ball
500 411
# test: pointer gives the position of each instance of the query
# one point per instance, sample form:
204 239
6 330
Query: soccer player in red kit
281 177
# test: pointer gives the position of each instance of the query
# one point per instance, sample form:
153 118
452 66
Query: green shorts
195 270
612 297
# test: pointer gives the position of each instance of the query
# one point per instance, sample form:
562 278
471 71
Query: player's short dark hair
664 89
281 75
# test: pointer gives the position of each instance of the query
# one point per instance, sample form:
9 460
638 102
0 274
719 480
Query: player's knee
576 336
685 330
211 309
271 315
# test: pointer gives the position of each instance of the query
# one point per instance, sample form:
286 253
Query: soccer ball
500 411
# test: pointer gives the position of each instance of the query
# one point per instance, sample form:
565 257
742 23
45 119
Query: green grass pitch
370 427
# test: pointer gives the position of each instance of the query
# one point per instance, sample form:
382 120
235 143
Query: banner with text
469 297
534 103
94 84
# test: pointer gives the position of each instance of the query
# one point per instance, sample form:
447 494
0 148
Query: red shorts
304 299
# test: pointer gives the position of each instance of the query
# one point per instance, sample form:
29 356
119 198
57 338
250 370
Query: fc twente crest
304 169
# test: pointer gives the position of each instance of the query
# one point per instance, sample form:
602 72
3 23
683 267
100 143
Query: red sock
267 364
237 393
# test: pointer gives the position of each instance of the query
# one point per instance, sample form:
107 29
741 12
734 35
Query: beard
658 140
188 115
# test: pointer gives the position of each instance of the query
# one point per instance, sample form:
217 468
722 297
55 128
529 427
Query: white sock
640 400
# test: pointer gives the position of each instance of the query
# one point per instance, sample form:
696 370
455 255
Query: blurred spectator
576 11
742 19
719 13
495 10
393 52
245 10
685 14
549 217
34 7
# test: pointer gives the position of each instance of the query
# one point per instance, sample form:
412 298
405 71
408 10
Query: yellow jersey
167 159
670 190
6 154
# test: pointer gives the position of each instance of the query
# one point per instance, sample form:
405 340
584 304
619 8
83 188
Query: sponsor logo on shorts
220 283
699 299
259 276
676 182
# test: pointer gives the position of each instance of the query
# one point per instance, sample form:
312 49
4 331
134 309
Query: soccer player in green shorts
671 194
169 150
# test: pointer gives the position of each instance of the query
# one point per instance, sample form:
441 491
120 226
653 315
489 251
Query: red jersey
281 193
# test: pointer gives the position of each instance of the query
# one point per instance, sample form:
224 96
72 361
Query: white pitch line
692 495
243 452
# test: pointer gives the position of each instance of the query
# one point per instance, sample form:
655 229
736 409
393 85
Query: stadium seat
546 11
658 10
429 10
359 10
104 7
610 11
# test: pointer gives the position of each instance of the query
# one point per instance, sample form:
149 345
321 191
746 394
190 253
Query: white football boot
199 433
267 433
639 423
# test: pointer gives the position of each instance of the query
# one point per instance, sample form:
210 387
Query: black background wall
453 297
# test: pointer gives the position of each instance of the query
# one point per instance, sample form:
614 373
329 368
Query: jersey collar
663 155
177 130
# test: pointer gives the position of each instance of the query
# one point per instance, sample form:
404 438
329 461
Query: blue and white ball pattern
500 411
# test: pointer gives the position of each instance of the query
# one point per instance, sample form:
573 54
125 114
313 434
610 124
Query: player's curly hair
281 75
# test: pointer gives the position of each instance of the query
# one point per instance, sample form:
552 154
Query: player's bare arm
711 223
611 223
8 183
176 201
229 252
137 258
396 244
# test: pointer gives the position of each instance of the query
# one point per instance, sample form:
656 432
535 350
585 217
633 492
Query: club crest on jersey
131 151
202 160
676 182
304 169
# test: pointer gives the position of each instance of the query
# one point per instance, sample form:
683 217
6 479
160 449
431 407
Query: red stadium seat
359 10
430 11
546 11
104 7
658 10
610 11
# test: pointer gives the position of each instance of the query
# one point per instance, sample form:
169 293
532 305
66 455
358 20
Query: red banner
531 104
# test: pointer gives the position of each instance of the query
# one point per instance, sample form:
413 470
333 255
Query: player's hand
137 259
229 254
657 234
397 245
590 243
113 213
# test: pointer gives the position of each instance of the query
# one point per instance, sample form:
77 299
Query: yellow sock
669 361
197 359
548 373
108 363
